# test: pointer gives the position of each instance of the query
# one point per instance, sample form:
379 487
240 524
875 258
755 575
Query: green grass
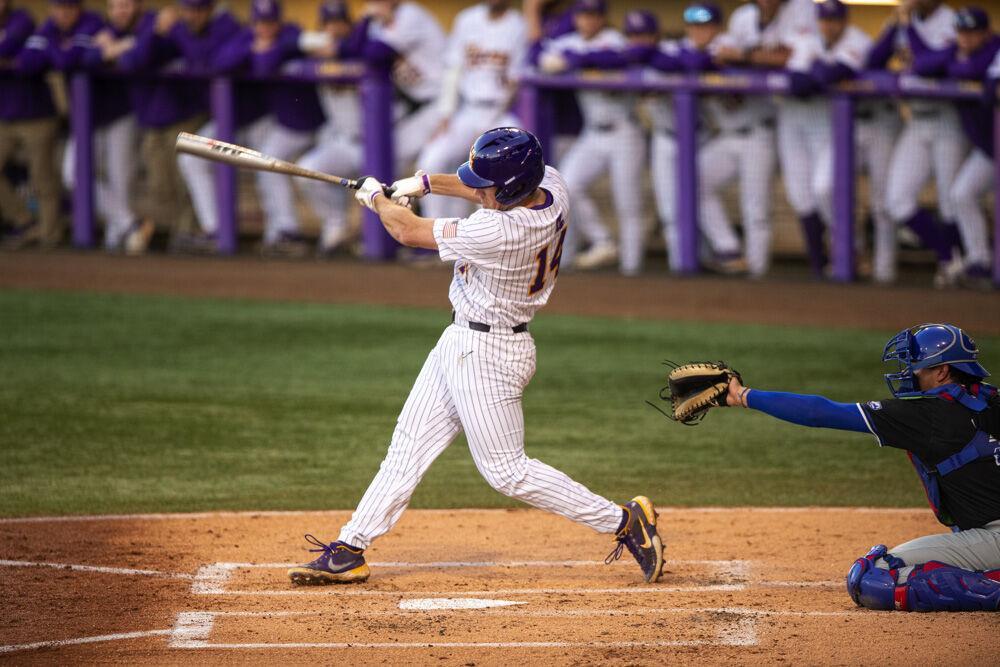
141 404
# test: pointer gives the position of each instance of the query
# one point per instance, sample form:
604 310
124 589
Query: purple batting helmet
506 157
641 22
265 10
334 10
831 10
701 13
971 18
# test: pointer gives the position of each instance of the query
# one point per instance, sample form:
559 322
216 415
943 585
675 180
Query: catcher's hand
694 388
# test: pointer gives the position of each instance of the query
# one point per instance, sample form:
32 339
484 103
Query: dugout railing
536 109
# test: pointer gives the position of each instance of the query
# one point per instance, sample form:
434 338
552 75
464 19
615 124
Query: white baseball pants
338 154
199 174
928 145
275 192
472 382
115 147
804 143
973 549
974 180
446 151
751 157
663 173
622 151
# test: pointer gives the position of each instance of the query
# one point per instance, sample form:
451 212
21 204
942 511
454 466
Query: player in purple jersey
28 120
294 115
975 55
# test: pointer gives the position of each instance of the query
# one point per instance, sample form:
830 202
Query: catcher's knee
931 586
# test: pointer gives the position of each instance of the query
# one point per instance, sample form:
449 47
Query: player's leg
119 169
333 154
199 176
627 164
585 160
796 175
718 165
412 132
662 168
757 162
39 137
949 150
12 206
974 180
875 144
277 196
448 149
945 572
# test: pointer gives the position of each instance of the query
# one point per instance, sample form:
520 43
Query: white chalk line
566 613
166 516
56 643
341 591
96 568
212 579
193 629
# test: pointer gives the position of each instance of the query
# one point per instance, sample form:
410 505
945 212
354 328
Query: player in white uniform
338 148
486 52
805 135
931 143
506 257
611 141
759 34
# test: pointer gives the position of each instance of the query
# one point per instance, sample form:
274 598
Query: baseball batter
507 257
948 422
931 143
486 51
611 142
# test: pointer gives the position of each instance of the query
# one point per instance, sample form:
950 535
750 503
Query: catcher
948 422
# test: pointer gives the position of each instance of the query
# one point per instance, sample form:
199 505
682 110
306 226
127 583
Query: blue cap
641 22
971 18
702 13
590 7
831 10
334 10
265 10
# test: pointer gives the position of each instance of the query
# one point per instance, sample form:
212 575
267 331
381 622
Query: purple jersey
294 105
976 115
22 96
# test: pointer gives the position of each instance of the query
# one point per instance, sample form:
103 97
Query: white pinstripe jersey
506 262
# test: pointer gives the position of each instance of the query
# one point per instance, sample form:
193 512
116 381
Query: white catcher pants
115 147
622 152
472 382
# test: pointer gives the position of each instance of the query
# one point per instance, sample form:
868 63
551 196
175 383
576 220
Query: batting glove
368 190
414 187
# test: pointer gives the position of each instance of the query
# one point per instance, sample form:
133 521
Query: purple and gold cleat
339 563
639 536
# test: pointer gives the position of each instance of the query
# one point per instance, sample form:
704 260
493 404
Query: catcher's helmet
925 346
509 158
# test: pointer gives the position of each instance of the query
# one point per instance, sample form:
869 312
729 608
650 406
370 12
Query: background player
506 258
611 141
948 422
931 143
486 52
976 51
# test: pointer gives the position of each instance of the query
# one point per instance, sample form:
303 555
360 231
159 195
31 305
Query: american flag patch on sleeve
450 230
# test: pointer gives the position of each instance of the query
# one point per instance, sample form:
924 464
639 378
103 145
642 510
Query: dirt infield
741 586
788 300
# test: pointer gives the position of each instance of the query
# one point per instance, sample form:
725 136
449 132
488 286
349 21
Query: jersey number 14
546 266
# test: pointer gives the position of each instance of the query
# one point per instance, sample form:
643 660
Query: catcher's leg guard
870 586
935 586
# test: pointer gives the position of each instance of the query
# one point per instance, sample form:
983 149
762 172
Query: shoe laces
323 546
616 553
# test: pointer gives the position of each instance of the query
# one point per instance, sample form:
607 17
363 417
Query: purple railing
536 111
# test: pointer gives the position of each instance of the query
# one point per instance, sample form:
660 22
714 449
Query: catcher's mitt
694 388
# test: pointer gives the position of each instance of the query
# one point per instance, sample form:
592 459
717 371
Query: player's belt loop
486 328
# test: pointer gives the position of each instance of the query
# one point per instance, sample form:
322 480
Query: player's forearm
404 226
769 57
449 185
806 410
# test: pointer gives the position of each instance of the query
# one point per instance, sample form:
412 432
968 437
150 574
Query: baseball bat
241 156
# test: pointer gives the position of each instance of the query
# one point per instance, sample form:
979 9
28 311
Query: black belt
485 328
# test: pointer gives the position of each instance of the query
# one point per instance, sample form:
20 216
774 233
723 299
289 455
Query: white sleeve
565 42
478 238
994 71
853 51
406 32
454 56
805 51
740 30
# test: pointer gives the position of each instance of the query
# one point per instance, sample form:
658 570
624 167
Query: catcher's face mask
926 346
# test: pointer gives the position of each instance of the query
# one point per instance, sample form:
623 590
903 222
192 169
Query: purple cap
590 7
265 10
641 22
831 10
971 18
702 13
198 4
334 10
66 2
